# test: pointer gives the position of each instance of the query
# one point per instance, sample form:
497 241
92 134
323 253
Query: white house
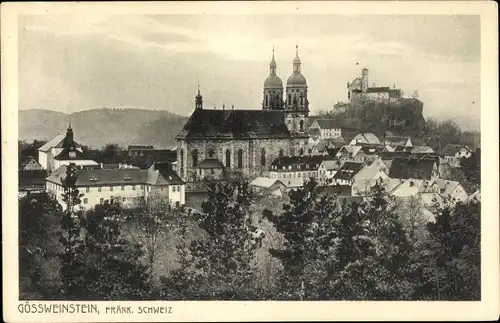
368 176
450 189
328 128
351 153
452 154
396 141
327 170
129 186
295 167
63 150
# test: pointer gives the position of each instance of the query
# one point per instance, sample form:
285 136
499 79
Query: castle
358 90
216 143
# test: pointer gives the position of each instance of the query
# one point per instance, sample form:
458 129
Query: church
216 143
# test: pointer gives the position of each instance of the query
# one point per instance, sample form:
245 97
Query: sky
73 63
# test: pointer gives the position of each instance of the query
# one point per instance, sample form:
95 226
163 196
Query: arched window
267 100
263 157
289 99
301 151
228 158
194 157
301 125
240 158
211 153
281 152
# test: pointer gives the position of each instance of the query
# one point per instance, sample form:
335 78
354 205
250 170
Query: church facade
214 144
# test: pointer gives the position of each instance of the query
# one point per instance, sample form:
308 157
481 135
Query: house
31 181
31 164
328 128
326 170
351 153
337 190
368 176
422 150
450 190
128 186
268 186
452 154
319 149
63 150
295 167
394 141
414 168
138 150
365 138
345 174
145 157
371 152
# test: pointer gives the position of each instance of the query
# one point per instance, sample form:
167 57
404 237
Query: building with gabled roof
128 186
365 138
345 174
328 128
414 168
63 150
30 163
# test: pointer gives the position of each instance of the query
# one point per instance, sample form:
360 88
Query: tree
26 149
111 265
71 237
38 228
223 259
112 153
307 225
153 226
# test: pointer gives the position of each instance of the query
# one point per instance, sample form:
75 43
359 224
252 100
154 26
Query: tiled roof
240 124
352 150
367 138
332 151
341 190
329 124
152 156
396 140
28 160
415 168
445 187
210 163
121 176
53 142
421 150
31 179
348 170
331 164
263 182
140 147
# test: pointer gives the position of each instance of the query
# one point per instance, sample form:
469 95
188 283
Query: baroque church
214 143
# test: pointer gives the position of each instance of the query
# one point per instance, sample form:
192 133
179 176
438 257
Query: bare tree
412 216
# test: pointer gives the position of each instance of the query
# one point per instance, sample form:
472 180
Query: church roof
296 79
236 124
74 154
57 140
273 81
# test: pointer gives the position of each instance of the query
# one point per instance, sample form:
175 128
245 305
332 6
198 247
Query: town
281 153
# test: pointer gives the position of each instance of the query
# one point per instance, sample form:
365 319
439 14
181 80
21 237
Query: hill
95 128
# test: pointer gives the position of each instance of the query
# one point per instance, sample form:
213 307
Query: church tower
297 105
199 100
273 89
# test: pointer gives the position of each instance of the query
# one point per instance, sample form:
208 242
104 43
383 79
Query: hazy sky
71 63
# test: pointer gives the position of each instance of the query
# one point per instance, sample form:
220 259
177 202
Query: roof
331 164
155 175
421 149
236 124
53 142
302 163
74 154
263 182
152 156
352 150
28 160
369 172
314 132
348 170
415 168
397 140
293 182
446 187
329 124
476 196
367 138
342 190
140 147
210 163
332 151
273 81
31 179
378 89
410 187
452 149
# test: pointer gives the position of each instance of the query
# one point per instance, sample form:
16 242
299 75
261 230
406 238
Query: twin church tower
294 101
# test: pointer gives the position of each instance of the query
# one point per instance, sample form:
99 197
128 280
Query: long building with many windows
129 186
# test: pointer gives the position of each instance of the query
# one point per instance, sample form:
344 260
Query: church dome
273 81
296 79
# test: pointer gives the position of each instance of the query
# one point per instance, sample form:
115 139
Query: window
133 187
301 125
101 200
182 161
301 152
263 157
228 158
124 199
161 189
210 153
142 187
173 189
99 189
240 158
281 152
292 152
310 151
111 188
85 200
289 98
267 100
87 189
194 157
123 188
177 204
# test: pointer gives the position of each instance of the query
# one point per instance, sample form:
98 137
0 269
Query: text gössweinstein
64 308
